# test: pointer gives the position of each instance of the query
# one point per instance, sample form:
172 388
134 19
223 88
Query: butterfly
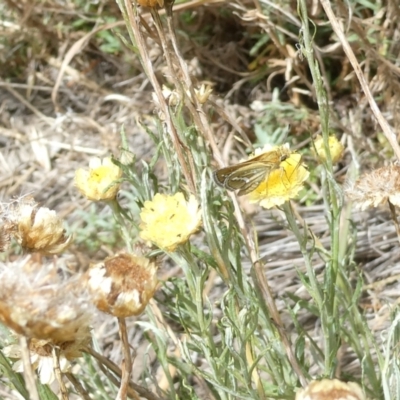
248 175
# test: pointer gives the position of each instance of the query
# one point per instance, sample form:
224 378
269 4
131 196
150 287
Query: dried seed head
331 389
37 228
99 181
168 221
122 285
174 98
376 188
35 301
335 149
203 92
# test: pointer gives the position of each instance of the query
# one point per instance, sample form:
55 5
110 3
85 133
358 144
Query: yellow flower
376 188
37 228
281 184
331 389
98 183
335 148
122 285
169 220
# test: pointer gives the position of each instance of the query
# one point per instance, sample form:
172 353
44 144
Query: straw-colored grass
252 303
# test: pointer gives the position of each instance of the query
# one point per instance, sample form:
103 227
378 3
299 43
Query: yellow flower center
99 174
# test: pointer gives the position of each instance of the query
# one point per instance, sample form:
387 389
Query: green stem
118 213
332 340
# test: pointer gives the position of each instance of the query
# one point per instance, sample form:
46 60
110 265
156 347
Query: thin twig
167 52
136 36
77 386
147 394
57 371
29 375
194 106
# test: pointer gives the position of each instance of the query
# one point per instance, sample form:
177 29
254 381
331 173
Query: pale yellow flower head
281 184
168 221
335 148
98 182
122 285
376 188
331 389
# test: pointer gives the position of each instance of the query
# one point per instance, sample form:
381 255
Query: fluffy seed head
376 188
37 302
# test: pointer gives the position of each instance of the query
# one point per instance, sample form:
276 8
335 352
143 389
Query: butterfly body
247 176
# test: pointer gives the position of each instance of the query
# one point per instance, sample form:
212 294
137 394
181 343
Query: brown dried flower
37 228
331 389
122 285
376 188
37 302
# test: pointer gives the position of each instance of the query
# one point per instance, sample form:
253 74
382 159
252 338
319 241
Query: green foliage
243 340
95 229
273 124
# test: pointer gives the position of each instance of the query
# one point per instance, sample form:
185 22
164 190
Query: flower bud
335 148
